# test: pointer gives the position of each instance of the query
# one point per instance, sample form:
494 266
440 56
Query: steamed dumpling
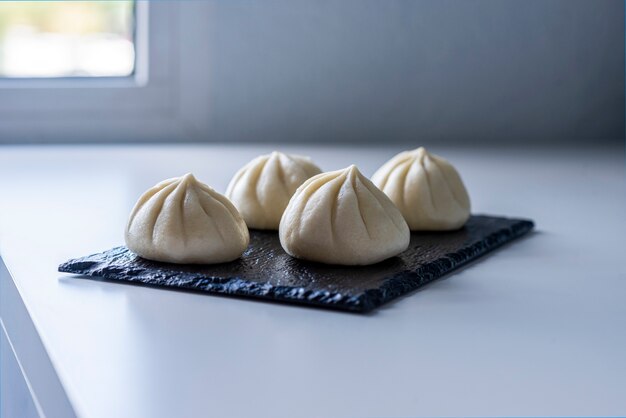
262 188
427 189
340 217
181 220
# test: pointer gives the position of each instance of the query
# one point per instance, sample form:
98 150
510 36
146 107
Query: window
67 39
155 91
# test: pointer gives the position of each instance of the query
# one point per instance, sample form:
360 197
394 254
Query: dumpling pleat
186 222
381 177
340 218
401 172
360 195
154 206
386 206
452 178
445 204
205 204
426 188
262 188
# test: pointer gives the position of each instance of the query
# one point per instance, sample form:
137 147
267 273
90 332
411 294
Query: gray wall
420 71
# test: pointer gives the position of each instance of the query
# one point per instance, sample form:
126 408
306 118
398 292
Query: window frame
164 99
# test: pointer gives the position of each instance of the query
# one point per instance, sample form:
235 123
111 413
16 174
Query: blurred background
67 39
338 71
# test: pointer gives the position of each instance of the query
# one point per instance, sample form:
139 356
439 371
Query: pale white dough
340 217
181 220
427 189
262 188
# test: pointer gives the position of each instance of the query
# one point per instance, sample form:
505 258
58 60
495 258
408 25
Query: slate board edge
408 281
394 287
233 286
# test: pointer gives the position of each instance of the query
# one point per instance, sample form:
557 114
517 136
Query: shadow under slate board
266 272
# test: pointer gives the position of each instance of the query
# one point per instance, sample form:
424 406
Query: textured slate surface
265 271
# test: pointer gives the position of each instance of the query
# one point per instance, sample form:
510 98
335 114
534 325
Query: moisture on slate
266 271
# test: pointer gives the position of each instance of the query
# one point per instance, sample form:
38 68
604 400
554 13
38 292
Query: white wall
420 71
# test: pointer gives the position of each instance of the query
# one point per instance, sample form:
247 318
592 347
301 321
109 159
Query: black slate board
265 271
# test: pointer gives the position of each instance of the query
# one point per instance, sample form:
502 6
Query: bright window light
42 39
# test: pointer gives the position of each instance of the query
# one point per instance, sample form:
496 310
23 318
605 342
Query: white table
538 327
